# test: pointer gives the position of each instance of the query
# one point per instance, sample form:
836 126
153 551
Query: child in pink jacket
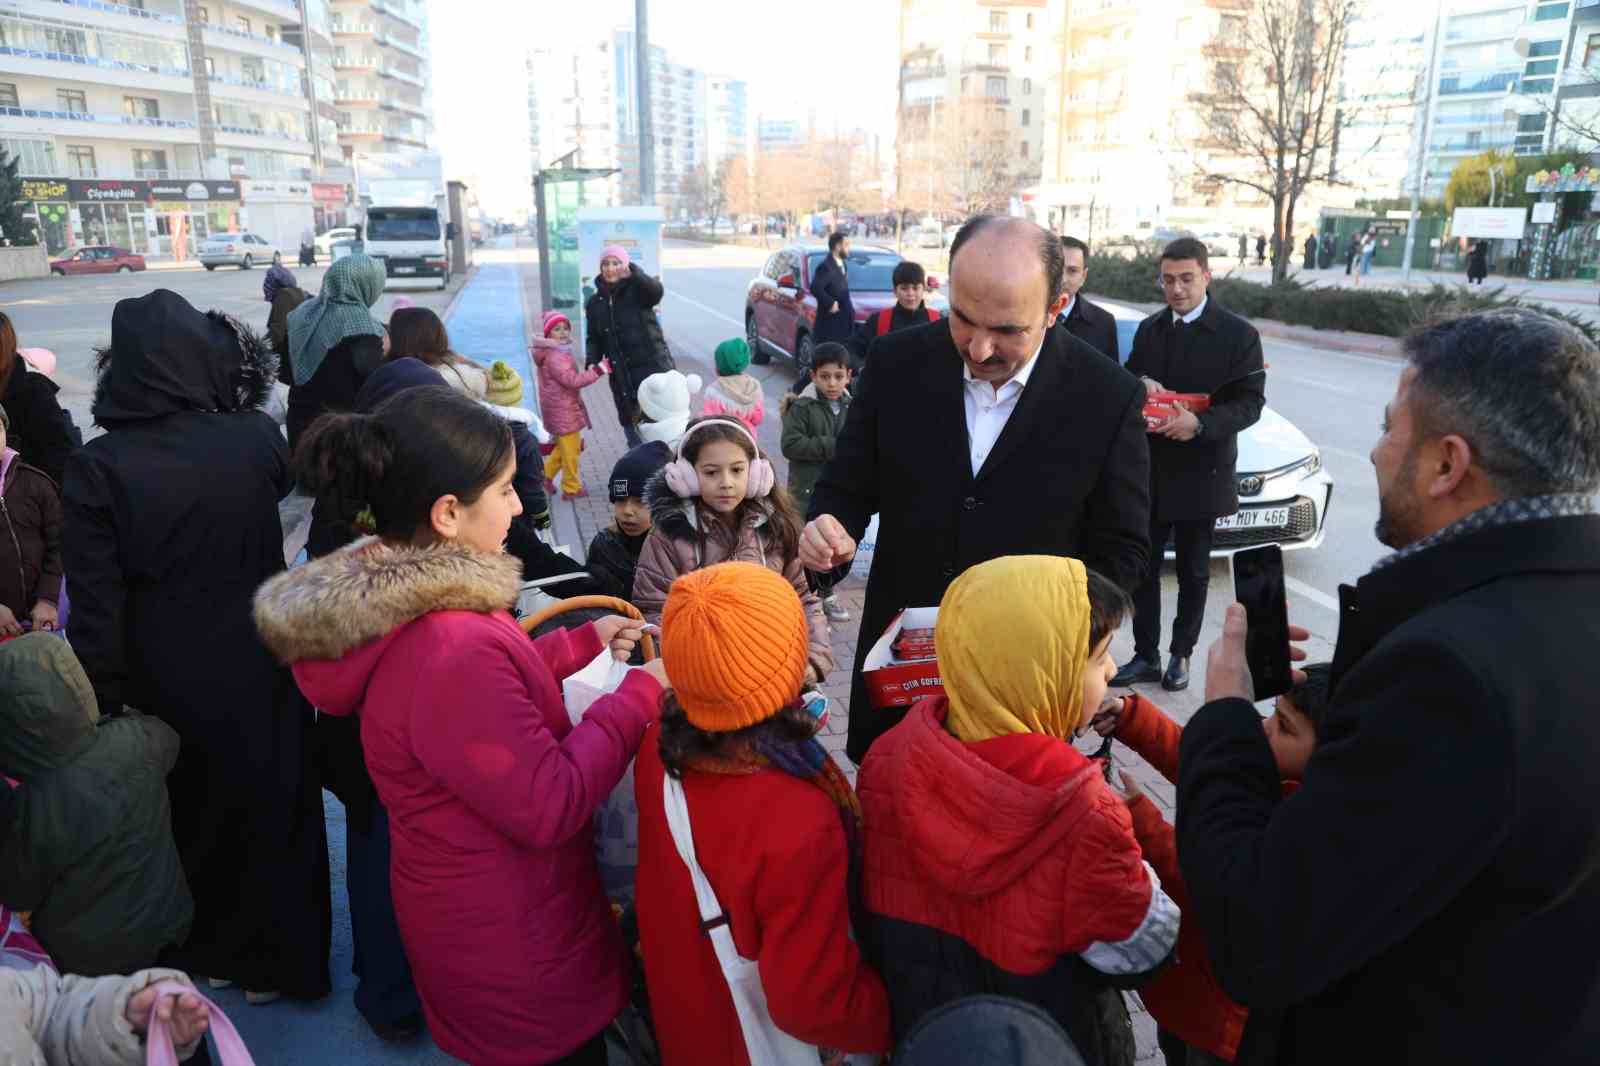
560 403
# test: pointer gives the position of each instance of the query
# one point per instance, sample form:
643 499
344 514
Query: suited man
830 284
1191 345
1090 324
957 440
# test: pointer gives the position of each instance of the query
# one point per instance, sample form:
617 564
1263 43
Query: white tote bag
768 1045
616 823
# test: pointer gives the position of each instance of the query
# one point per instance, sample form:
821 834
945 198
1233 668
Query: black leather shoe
1138 671
1177 678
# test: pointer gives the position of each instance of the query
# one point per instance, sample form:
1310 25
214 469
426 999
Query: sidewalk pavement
576 522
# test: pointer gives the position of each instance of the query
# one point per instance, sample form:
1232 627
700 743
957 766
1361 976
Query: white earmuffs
683 481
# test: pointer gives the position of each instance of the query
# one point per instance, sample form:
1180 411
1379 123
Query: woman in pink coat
491 791
560 402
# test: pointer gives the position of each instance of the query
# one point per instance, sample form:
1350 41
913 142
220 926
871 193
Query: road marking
1316 596
1345 453
712 311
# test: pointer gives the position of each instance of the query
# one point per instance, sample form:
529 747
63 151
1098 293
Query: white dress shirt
1189 318
990 408
1066 312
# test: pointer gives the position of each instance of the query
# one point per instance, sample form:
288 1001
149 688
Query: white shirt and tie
989 408
1193 316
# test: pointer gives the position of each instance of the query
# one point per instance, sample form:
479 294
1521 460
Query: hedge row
1385 312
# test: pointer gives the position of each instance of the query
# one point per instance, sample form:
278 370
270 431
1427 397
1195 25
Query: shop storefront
187 212
141 216
280 211
330 205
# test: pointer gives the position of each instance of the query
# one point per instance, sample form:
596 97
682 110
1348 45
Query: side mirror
787 282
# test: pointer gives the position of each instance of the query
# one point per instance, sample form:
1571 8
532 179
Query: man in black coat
981 435
830 285
1093 325
1430 893
621 323
1192 345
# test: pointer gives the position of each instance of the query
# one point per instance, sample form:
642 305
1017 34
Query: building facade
1384 97
142 124
380 63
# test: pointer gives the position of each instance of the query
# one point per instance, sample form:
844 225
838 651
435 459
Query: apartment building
380 66
572 108
974 71
1384 98
1578 91
144 123
776 133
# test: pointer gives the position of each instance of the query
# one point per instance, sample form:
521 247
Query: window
1538 85
80 160
211 67
1027 54
1030 21
141 107
8 95
1026 115
272 33
242 24
72 100
998 22
1024 150
1544 48
995 88
1542 66
34 157
1474 138
1549 12
1027 86
149 163
997 53
1591 51
1531 123
205 14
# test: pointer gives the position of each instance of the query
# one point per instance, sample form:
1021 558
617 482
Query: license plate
405 270
1257 518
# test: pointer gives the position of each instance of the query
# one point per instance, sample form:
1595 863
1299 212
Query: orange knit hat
734 642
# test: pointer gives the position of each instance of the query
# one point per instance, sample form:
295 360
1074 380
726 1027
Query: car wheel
805 350
211 266
124 269
758 354
247 262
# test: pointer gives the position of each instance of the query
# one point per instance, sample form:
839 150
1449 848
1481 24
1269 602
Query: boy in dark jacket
1197 1023
614 552
910 288
88 844
812 422
30 543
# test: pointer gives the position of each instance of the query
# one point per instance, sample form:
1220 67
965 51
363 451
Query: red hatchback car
96 259
780 312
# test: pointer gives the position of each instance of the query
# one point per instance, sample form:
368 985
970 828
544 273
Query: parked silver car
243 250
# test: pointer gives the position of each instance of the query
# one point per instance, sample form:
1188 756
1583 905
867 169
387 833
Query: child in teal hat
734 394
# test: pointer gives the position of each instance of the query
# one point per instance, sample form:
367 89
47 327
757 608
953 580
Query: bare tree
694 193
958 159
1273 102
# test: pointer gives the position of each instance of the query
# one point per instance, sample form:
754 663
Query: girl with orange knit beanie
750 842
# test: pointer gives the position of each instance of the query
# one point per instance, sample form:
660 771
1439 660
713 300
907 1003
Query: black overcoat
830 285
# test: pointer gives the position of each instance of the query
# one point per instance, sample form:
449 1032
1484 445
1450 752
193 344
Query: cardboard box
900 684
1160 407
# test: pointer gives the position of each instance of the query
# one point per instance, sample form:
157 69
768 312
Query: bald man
984 434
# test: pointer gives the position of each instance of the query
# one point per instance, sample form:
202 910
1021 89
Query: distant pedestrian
830 284
623 327
1478 263
1244 248
334 342
1261 249
561 386
1369 248
1352 249
282 291
1311 252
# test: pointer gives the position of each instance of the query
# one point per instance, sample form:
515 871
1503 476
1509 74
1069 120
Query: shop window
80 160
8 95
141 107
72 100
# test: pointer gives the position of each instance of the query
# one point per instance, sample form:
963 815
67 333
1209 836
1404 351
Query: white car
1283 489
324 242
243 250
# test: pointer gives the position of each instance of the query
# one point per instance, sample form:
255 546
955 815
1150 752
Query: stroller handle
581 603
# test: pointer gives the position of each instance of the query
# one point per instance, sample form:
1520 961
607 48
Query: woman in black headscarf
170 525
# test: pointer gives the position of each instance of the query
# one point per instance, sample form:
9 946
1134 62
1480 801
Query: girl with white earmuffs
718 501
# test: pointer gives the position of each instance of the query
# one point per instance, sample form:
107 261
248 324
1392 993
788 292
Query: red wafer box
902 667
1160 407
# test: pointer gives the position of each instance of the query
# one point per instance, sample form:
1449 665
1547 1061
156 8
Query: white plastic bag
616 823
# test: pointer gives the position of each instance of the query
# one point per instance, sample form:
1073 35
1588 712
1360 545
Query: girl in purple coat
560 402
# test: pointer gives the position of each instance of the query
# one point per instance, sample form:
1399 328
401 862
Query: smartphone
1258 584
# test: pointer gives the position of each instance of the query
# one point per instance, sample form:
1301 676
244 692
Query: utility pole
647 150
1412 223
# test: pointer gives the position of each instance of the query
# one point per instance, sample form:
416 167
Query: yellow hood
1013 642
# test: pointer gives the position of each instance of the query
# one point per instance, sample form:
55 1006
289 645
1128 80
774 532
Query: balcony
84 123
272 88
343 60
286 10
254 43
357 98
1461 83
389 70
151 174
122 11
341 28
395 11
28 38
394 103
408 47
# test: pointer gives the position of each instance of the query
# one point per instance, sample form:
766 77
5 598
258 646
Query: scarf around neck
1503 513
342 309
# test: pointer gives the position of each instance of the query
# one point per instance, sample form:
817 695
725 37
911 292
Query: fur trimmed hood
331 606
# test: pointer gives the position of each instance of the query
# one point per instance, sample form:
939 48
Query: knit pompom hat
505 386
734 642
552 319
732 357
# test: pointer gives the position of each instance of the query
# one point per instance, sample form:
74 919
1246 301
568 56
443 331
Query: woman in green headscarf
334 342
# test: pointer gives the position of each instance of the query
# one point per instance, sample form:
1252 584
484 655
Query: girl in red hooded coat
491 791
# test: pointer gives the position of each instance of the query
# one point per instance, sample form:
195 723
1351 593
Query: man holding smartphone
1193 345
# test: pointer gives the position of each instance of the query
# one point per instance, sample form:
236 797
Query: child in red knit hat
560 403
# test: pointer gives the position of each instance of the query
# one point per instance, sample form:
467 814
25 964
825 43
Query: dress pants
1192 544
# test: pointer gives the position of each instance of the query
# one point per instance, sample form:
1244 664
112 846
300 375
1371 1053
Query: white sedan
1283 489
243 250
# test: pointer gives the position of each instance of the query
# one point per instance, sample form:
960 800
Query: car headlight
1312 463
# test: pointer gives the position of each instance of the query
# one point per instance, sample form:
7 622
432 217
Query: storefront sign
169 191
328 194
108 191
44 189
278 191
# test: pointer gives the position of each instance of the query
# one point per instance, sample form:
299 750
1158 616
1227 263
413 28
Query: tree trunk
1288 229
1280 261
